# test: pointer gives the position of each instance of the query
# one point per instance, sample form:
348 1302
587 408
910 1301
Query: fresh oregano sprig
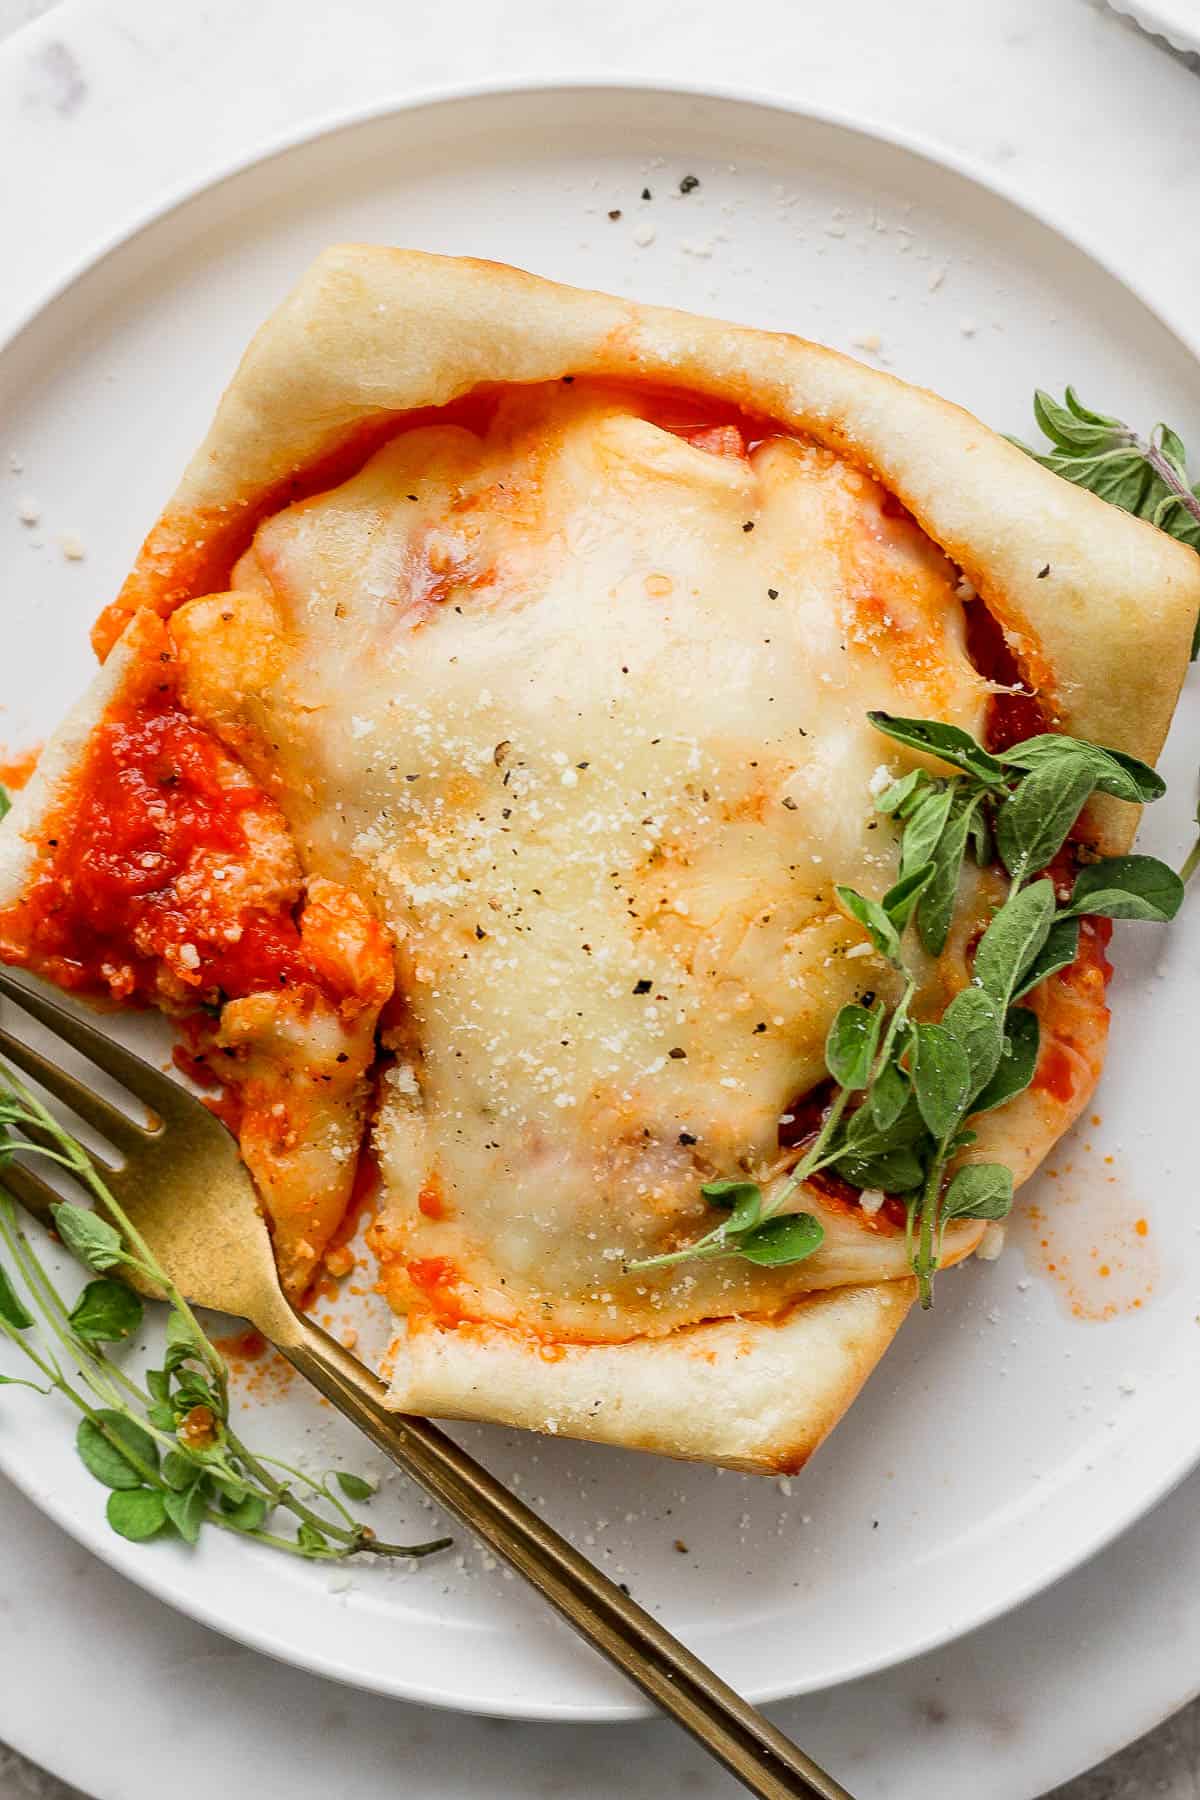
164 1445
1144 476
1019 803
905 1088
756 1228
1024 803
1148 477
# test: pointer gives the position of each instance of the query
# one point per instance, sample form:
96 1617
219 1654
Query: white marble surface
1058 72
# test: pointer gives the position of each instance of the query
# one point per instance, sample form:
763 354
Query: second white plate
1010 1433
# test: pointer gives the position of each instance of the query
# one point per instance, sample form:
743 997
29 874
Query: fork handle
730 1729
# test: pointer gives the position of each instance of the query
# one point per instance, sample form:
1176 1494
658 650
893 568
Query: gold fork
185 1188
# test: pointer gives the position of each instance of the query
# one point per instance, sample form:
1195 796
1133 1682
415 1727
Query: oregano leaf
249 1513
851 1043
159 1384
106 1312
906 789
1073 428
1032 824
896 1171
976 1019
899 901
179 1471
353 1486
1171 445
92 1239
136 1513
1127 887
1013 939
941 1078
1102 454
979 1191
12 1308
1018 1061
107 1460
923 828
789 1238
935 910
874 920
948 743
1058 952
186 1510
743 1199
863 1137
1124 777
890 1092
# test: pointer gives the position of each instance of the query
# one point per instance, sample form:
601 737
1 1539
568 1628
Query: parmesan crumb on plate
991 1243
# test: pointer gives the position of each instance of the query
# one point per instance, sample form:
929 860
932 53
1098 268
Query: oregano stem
925 1262
1167 473
283 1496
55 1316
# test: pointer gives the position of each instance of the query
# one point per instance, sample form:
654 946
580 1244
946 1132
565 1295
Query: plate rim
1148 14
329 125
19 1729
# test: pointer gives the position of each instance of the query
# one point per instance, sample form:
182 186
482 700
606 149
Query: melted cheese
579 707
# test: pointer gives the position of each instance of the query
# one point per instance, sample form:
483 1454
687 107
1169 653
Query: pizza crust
755 1395
1097 606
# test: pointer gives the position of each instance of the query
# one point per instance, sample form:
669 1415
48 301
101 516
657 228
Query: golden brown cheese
582 708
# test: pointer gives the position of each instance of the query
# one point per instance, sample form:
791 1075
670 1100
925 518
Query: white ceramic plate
1004 1438
1006 1713
1176 20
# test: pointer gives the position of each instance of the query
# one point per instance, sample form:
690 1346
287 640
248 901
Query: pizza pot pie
480 740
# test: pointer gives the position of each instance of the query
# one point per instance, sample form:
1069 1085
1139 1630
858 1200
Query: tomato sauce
430 1201
195 1067
17 767
718 440
241 1347
1013 716
437 1278
805 1117
1087 977
156 793
1055 1074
